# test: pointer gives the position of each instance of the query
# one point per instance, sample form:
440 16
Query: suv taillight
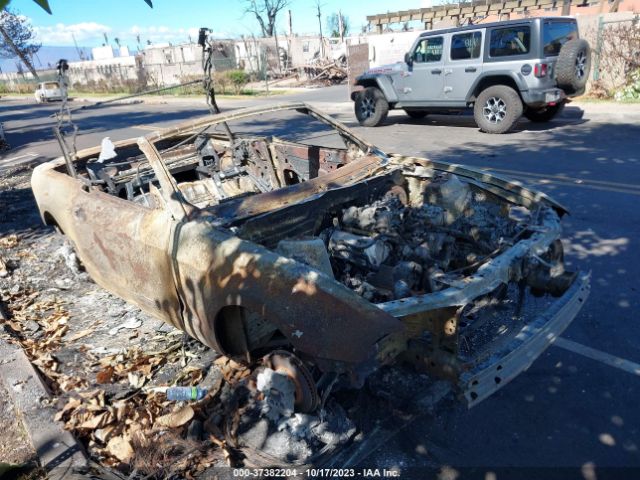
540 70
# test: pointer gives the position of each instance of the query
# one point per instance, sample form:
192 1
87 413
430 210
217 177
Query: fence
615 44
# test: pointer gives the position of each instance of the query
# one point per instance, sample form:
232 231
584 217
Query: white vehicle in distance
48 91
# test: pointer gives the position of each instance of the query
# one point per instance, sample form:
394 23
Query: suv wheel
416 114
573 65
545 114
497 109
371 107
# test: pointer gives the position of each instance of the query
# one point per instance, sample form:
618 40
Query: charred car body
330 260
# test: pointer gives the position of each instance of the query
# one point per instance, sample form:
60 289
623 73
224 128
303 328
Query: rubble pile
327 71
270 431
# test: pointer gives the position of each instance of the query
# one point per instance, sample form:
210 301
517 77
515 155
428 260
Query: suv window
556 34
428 50
510 41
465 46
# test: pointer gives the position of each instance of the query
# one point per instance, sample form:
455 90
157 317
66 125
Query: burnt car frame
346 258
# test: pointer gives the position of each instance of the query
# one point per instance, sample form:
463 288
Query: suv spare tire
371 107
497 109
573 65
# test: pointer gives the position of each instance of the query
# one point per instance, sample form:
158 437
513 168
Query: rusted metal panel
357 62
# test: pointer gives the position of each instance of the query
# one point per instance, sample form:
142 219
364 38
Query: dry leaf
102 433
97 421
72 404
80 334
120 448
105 376
175 419
136 381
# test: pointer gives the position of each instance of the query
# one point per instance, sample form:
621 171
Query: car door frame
418 71
460 75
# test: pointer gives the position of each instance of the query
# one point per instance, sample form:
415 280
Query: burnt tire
416 114
573 65
371 107
497 109
545 114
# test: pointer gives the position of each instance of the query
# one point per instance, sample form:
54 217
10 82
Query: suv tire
540 115
497 109
371 107
416 114
573 65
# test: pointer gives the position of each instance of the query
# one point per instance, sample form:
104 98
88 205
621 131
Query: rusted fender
510 190
321 317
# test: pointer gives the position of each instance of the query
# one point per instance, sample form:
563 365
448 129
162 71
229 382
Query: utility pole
289 40
20 55
320 24
340 26
80 54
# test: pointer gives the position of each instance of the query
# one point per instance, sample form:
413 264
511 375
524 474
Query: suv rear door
463 64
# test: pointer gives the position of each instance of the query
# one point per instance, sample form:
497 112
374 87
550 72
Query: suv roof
476 26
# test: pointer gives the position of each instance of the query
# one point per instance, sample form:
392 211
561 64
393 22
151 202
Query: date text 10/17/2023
316 472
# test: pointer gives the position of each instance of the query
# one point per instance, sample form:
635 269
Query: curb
58 451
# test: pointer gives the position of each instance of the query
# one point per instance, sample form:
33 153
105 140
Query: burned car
326 258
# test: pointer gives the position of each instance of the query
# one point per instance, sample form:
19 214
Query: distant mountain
47 57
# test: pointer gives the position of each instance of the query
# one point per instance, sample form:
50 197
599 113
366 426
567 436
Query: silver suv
502 70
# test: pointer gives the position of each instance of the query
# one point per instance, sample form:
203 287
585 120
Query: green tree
17 38
333 25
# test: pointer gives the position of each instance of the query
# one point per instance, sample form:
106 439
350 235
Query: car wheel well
50 220
369 82
487 82
238 330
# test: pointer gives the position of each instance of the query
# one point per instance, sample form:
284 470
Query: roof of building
519 21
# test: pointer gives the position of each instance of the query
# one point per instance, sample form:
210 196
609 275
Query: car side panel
320 317
123 246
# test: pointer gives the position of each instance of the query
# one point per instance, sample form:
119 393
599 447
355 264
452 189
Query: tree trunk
20 55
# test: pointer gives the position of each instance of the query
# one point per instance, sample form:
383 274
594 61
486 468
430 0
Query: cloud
61 34
92 34
164 34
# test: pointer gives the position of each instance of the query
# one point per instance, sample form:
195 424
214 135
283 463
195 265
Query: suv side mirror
408 59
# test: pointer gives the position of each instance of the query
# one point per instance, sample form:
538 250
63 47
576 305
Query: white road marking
147 127
597 355
13 159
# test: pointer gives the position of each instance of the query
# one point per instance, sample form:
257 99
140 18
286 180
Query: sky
175 20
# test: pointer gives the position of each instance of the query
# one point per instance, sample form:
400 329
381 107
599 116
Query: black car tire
416 114
497 109
540 115
371 107
573 65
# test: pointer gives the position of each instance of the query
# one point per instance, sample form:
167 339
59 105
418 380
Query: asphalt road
576 406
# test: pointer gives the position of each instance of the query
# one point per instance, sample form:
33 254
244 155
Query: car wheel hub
367 107
581 63
494 110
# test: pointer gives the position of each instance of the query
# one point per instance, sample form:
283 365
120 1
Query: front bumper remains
533 339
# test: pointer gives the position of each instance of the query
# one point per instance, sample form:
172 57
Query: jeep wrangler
502 70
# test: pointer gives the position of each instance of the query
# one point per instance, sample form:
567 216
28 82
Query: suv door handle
436 71
470 69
